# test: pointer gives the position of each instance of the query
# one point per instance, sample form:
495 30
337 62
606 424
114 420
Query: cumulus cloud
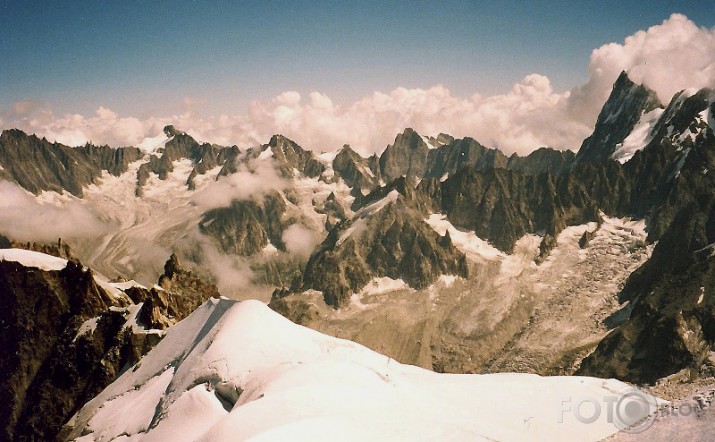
299 241
24 218
674 55
668 58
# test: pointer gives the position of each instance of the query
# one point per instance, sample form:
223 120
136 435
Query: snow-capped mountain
239 371
439 252
626 109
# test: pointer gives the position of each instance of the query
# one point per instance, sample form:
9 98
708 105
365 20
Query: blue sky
144 58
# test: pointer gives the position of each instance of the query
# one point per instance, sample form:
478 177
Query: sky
329 73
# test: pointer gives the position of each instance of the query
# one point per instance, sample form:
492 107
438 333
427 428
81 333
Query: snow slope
29 258
466 241
639 137
239 371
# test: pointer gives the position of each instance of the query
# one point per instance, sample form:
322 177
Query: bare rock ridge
406 156
246 226
361 174
37 165
64 336
291 156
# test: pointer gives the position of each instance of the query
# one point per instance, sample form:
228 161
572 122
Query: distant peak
623 79
279 139
347 150
171 131
624 82
13 133
408 135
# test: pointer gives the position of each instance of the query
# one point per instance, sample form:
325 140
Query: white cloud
24 218
300 241
668 57
252 180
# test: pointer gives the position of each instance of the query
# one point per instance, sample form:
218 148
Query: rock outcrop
64 336
362 174
407 156
203 156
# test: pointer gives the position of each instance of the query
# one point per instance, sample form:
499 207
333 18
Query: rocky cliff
65 334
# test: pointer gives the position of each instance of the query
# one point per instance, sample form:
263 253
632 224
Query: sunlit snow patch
466 241
87 327
640 136
153 144
29 258
379 286
359 219
267 153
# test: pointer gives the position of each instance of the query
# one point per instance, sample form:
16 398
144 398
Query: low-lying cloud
24 218
299 241
252 180
674 55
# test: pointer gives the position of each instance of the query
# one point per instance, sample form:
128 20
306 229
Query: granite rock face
204 157
670 325
543 160
449 158
407 156
360 173
290 156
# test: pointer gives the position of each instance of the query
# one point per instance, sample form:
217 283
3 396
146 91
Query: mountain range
439 252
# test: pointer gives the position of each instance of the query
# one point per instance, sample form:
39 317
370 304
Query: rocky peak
171 131
204 156
184 283
623 109
543 160
406 156
334 211
171 267
467 152
247 226
290 155
38 165
357 172
47 361
65 335
689 114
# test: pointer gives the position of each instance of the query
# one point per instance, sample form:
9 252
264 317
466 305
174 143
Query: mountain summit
625 106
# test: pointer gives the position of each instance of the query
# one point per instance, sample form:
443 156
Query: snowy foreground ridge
238 371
